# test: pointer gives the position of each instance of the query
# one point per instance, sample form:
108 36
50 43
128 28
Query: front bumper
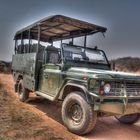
121 105
118 108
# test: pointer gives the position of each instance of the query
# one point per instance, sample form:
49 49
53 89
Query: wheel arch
71 87
29 81
20 77
17 78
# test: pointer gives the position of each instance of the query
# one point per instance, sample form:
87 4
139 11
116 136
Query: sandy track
107 128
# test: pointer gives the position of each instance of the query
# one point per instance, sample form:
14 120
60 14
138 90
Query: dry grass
17 122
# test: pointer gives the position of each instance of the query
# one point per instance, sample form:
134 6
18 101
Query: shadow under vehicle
79 76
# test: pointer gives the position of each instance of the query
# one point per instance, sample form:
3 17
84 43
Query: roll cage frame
57 28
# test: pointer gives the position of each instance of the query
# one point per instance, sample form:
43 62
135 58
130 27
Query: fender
29 82
71 86
17 76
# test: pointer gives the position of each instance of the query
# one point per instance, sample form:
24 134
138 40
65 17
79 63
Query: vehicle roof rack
58 27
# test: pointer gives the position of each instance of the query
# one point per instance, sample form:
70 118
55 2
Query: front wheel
23 93
128 119
78 116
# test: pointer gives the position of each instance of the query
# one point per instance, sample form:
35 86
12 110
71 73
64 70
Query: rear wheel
77 115
128 119
22 92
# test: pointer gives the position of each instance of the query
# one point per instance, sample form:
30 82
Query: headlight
107 88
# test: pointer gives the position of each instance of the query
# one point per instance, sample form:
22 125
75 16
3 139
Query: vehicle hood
103 73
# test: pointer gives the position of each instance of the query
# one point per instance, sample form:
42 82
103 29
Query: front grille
124 88
133 89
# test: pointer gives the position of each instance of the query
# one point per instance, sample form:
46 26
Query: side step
45 95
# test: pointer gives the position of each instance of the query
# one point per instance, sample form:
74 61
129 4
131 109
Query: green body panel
108 104
57 76
25 65
104 74
52 80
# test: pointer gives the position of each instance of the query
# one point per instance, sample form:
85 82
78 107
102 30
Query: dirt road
107 128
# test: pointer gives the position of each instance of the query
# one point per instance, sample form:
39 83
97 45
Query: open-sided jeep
78 76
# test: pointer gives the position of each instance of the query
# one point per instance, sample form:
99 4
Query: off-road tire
128 119
88 116
23 93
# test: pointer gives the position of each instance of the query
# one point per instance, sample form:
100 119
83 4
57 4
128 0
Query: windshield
75 53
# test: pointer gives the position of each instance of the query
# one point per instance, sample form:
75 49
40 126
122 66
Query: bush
131 64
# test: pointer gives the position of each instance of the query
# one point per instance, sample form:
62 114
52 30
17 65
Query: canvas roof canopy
58 27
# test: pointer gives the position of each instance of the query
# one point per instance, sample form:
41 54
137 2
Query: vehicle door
50 76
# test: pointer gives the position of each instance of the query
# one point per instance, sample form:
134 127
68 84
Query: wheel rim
75 113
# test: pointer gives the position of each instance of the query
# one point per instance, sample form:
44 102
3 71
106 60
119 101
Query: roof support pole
72 40
37 50
85 41
21 39
61 42
21 49
29 37
39 32
62 56
15 46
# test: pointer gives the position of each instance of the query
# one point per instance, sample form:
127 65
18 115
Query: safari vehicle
79 76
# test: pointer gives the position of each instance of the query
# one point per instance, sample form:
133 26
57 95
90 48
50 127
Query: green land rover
79 76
